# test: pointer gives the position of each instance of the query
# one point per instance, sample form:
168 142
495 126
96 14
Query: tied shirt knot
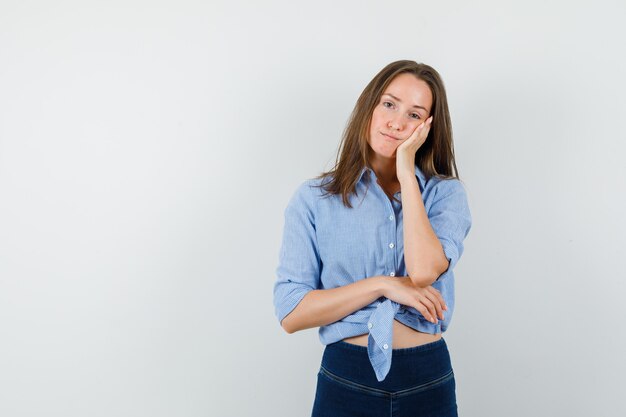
379 342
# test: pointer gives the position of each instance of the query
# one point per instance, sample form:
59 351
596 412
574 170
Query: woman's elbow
288 329
288 325
422 278
418 281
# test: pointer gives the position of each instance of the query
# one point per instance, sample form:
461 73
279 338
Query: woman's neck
385 169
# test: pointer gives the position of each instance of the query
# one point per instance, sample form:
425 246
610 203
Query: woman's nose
395 124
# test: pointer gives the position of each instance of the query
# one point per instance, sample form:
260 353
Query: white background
148 150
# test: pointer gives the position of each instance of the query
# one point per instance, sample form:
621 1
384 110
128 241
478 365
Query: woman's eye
415 115
387 104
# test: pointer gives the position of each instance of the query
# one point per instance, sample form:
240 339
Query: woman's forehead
410 90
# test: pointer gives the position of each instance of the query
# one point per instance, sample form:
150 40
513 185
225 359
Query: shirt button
392 274
391 245
370 325
385 346
390 217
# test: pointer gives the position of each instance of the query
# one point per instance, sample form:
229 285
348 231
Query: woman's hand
426 300
405 153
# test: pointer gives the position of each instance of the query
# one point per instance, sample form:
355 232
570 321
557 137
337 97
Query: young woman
368 251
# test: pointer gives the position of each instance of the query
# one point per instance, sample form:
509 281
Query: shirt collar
418 173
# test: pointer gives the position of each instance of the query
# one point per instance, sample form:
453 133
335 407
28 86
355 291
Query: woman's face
403 106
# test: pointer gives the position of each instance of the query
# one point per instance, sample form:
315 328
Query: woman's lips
389 137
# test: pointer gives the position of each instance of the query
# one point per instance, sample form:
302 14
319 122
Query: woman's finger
431 308
417 132
436 302
439 297
422 309
423 129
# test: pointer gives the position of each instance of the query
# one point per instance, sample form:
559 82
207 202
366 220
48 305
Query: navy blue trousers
420 383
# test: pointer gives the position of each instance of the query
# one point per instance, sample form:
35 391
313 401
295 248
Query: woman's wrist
407 179
379 283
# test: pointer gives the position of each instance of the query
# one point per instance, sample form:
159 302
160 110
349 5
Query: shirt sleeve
299 264
450 219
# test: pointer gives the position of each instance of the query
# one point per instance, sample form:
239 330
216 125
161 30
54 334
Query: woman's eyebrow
397 99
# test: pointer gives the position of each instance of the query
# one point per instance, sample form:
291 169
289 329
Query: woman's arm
322 307
424 257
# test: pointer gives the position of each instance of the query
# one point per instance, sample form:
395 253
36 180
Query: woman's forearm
322 307
423 254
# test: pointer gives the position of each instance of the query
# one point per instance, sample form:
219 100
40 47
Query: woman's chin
385 153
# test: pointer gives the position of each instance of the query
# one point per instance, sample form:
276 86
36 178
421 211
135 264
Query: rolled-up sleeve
450 219
299 265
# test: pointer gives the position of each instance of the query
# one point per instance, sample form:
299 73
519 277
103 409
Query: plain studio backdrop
148 151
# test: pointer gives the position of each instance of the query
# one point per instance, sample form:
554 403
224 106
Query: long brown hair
435 157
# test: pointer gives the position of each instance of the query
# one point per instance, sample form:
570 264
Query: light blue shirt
327 245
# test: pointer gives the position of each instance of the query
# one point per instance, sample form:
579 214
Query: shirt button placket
391 246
